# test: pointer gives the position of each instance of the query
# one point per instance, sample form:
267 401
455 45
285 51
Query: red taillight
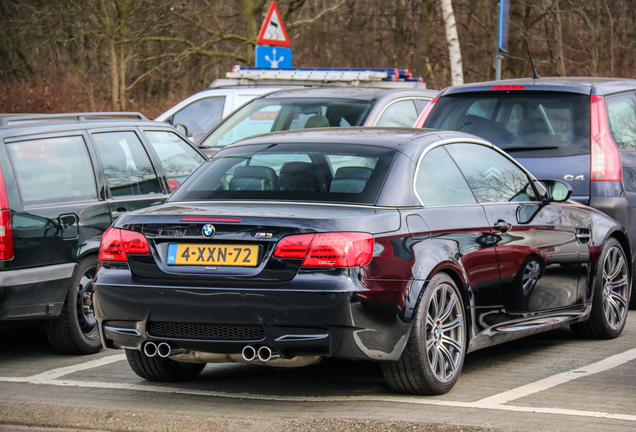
508 87
117 243
606 158
173 184
6 230
293 246
427 110
338 249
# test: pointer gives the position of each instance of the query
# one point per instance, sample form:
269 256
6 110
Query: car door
177 158
537 245
131 180
452 216
61 211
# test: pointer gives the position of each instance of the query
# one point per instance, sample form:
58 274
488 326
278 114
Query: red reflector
209 219
509 87
293 246
116 243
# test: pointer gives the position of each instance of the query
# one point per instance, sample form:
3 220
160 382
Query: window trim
477 141
393 102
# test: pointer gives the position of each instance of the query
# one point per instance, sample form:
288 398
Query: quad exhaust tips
151 349
263 354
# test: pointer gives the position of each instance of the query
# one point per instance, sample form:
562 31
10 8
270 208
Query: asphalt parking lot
549 382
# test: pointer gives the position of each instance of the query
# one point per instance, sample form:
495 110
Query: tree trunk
558 64
422 65
454 51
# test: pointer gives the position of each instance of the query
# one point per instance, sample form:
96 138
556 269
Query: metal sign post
502 45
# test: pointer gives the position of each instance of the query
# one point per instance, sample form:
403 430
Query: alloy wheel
445 333
615 287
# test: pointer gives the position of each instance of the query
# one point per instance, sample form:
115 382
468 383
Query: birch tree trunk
454 51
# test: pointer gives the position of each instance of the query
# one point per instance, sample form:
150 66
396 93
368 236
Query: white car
202 111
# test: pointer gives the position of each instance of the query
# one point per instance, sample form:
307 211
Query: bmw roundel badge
208 230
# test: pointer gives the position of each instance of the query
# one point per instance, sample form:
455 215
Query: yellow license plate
213 254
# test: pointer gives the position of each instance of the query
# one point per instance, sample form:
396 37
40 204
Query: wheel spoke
452 342
457 322
433 358
449 308
616 268
442 302
619 300
447 359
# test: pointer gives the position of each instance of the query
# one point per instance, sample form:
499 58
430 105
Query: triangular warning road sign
273 30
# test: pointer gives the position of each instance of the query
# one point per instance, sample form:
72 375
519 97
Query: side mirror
182 129
556 190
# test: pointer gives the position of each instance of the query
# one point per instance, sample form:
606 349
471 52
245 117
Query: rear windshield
291 172
528 124
273 115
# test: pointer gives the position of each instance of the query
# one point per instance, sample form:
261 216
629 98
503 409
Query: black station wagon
64 178
405 246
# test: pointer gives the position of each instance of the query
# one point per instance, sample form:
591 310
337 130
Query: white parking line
496 402
555 380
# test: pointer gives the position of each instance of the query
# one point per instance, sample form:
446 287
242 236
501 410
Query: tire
610 301
76 331
434 354
162 369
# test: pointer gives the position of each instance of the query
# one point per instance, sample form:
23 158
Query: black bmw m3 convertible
409 247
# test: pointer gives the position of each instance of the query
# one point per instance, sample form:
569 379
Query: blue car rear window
556 123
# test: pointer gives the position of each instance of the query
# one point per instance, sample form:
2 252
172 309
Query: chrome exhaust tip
266 354
150 349
163 350
248 353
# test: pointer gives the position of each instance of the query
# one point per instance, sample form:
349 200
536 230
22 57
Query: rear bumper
216 320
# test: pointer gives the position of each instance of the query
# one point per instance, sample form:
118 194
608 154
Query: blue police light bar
392 74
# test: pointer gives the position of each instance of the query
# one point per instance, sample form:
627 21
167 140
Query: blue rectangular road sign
504 18
273 57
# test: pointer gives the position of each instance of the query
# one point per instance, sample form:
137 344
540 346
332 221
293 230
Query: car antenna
535 75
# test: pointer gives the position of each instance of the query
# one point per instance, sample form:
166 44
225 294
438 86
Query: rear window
557 124
272 115
291 172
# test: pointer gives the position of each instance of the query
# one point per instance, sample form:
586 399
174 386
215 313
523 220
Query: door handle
502 226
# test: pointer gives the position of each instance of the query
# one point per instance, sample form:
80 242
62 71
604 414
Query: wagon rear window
530 124
291 172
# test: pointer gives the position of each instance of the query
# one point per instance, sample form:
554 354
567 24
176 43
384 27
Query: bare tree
454 51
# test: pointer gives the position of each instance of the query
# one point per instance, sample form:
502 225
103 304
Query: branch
317 17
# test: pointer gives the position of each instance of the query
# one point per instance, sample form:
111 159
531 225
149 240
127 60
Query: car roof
361 93
410 141
583 85
72 121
